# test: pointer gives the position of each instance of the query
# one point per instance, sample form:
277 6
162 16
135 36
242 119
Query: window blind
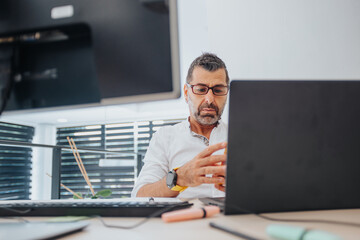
15 162
106 171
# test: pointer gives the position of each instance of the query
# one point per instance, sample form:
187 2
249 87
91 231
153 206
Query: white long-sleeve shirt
173 146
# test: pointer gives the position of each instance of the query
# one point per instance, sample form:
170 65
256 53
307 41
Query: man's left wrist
172 181
180 179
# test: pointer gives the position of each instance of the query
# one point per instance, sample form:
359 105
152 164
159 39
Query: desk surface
199 229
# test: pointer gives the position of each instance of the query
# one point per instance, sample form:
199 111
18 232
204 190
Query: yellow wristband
178 188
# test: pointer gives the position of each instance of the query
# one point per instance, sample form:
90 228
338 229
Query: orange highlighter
188 214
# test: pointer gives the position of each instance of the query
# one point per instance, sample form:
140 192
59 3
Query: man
183 160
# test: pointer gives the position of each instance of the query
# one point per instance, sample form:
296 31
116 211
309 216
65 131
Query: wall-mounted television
79 53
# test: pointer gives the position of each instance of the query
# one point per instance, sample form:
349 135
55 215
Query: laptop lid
293 145
38 230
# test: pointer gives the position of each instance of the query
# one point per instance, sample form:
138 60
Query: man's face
206 109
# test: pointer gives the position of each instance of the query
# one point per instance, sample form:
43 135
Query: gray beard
207 119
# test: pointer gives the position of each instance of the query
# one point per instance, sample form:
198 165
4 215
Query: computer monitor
61 54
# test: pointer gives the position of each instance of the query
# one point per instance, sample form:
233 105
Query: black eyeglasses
218 90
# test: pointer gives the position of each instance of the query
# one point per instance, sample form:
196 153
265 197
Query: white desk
199 229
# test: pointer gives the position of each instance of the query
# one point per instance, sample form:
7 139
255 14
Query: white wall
287 39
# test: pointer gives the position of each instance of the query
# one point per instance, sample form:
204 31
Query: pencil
80 163
68 189
83 167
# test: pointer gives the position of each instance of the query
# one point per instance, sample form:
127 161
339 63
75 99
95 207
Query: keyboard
101 207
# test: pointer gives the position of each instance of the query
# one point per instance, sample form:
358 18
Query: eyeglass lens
217 90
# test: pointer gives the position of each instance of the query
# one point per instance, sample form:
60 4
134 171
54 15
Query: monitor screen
78 53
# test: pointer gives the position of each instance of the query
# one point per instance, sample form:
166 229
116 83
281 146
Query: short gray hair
209 62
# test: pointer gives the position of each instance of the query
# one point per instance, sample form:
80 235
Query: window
106 171
15 162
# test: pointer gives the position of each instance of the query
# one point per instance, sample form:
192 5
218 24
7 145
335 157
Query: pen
233 232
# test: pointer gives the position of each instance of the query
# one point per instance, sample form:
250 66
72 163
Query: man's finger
219 170
211 160
211 149
212 180
220 187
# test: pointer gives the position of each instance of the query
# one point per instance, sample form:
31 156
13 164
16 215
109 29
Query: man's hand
194 172
220 186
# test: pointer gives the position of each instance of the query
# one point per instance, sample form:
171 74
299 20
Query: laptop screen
293 145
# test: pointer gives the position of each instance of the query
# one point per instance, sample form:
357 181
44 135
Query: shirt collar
203 138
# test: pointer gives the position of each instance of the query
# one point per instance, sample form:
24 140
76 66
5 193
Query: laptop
39 230
293 146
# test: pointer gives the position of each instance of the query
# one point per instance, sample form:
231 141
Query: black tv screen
75 53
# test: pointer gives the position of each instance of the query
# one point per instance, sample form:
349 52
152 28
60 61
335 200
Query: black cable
349 224
17 211
155 214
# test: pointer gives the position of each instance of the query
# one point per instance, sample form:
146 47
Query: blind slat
15 162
